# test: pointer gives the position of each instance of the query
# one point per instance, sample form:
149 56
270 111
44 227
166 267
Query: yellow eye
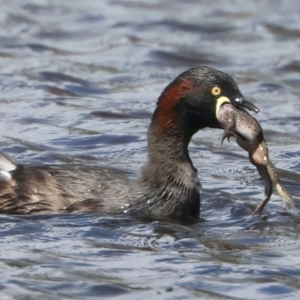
216 91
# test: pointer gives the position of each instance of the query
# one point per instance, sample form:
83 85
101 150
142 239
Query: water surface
79 81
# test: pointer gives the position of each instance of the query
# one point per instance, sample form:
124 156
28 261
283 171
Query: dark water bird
168 188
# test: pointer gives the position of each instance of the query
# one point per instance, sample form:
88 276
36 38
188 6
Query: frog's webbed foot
228 135
264 201
258 210
263 172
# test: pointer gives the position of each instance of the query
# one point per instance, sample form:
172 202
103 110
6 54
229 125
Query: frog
248 134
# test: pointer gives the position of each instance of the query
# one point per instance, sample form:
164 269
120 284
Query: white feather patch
5 176
6 164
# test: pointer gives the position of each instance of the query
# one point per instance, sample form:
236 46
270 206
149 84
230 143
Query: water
79 81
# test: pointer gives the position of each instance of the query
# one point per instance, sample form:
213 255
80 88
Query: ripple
132 115
79 81
175 25
194 59
293 66
281 32
94 141
57 77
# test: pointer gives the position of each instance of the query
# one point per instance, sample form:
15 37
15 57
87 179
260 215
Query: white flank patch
6 164
5 176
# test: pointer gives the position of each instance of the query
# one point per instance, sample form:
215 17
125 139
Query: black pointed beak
240 102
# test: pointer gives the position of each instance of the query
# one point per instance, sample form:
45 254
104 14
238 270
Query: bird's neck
169 178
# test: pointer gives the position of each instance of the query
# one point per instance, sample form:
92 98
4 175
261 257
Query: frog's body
249 136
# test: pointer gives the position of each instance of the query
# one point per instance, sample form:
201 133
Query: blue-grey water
78 83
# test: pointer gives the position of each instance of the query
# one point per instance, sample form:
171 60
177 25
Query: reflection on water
79 81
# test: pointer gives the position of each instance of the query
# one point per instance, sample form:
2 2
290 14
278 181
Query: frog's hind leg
263 172
286 197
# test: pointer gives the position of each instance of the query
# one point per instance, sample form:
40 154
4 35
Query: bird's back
54 188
